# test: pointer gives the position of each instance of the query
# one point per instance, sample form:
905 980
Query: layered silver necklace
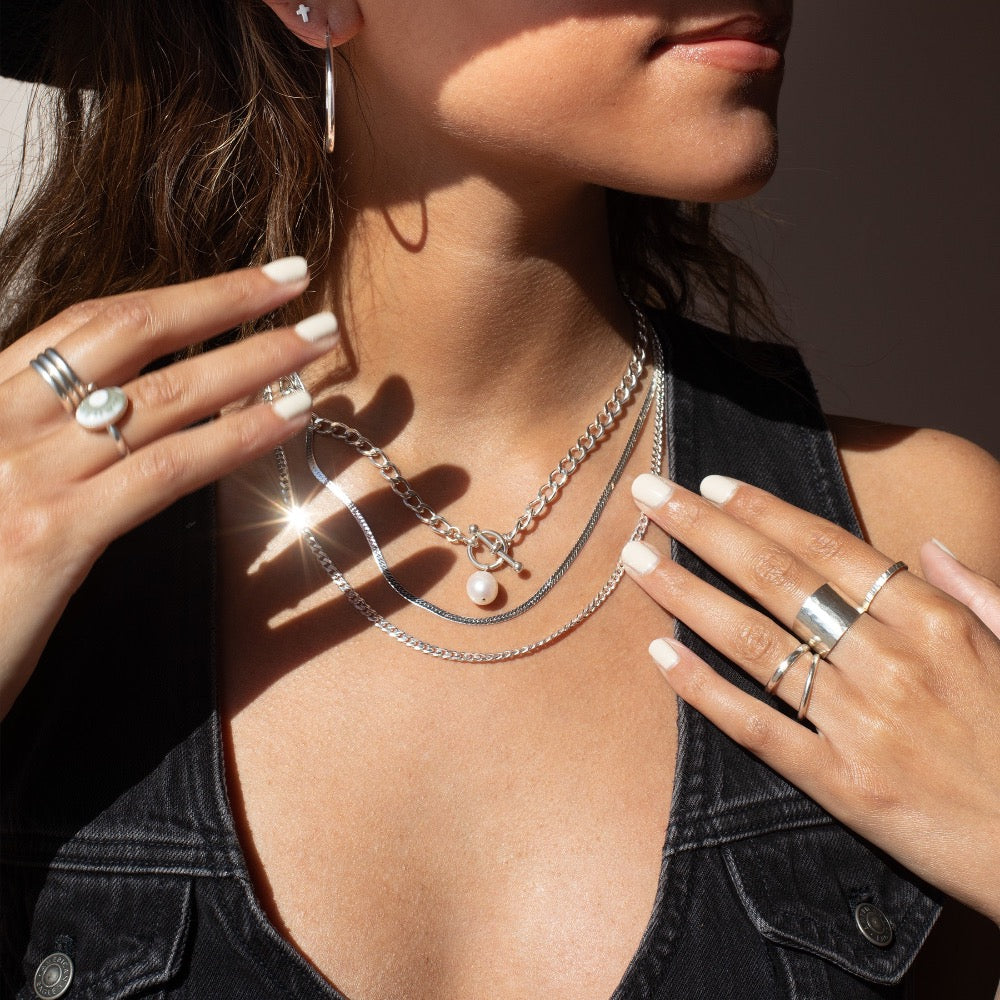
497 543
482 587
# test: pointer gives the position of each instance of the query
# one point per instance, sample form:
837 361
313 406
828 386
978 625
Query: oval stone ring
100 410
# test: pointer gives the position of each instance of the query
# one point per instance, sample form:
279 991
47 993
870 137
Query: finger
131 331
758 565
749 639
131 491
979 594
180 394
52 331
791 749
834 553
776 557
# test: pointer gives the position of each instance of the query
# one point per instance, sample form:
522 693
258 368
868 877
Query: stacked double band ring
786 664
95 409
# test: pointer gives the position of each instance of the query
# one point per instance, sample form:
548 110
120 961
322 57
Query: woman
222 778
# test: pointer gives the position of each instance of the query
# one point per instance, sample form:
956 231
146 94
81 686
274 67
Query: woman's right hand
66 492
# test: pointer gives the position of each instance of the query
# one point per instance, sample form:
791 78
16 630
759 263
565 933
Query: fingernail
663 653
287 270
317 327
651 491
718 489
640 558
944 548
293 405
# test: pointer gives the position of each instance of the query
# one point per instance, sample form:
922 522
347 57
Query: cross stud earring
303 12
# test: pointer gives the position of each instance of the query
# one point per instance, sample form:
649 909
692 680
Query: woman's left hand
906 706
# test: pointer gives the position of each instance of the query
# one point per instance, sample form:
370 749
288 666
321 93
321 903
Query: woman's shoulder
910 485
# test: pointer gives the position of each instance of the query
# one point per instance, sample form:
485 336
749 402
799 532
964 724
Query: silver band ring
116 435
879 584
60 378
823 619
786 664
101 410
808 689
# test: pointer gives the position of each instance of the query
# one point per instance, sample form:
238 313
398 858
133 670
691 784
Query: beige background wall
882 247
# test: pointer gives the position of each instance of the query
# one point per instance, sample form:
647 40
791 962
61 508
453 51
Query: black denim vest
120 847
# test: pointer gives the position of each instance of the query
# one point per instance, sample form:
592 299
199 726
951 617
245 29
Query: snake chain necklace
656 392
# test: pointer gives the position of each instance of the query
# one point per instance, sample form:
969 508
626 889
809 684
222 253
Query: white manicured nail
287 270
664 654
944 548
290 406
650 490
313 328
718 489
640 558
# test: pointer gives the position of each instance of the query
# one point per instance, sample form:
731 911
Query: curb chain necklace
652 394
463 656
482 587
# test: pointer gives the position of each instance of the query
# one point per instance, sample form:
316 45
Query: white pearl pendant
482 588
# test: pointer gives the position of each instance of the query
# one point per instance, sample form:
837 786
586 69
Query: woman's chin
743 186
728 177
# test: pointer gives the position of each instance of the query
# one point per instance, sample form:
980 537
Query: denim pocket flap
825 891
122 934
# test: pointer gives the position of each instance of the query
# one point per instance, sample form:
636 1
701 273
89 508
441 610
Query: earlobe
310 21
343 20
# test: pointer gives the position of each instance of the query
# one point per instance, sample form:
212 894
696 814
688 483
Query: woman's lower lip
738 54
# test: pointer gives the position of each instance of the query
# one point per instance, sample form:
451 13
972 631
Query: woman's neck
489 317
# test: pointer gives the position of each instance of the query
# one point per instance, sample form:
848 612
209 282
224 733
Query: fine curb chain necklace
384 625
655 388
482 587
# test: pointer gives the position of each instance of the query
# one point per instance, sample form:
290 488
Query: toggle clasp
497 545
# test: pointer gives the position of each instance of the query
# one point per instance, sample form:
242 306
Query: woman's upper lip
749 27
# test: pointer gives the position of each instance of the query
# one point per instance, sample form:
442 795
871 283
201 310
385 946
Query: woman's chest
427 829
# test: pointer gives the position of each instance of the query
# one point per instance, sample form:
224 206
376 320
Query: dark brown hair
191 144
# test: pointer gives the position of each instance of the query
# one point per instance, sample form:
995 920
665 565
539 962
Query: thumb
980 595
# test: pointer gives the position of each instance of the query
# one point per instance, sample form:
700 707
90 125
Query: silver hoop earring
331 93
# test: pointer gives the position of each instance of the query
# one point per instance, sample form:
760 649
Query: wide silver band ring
786 664
823 619
807 690
895 568
60 378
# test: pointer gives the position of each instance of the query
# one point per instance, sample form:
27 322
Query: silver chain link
606 418
653 395
462 656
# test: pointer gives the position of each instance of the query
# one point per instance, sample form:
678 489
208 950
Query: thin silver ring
879 584
116 435
786 664
60 378
808 689
823 619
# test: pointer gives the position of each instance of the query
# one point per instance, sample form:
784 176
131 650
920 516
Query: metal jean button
53 976
873 924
